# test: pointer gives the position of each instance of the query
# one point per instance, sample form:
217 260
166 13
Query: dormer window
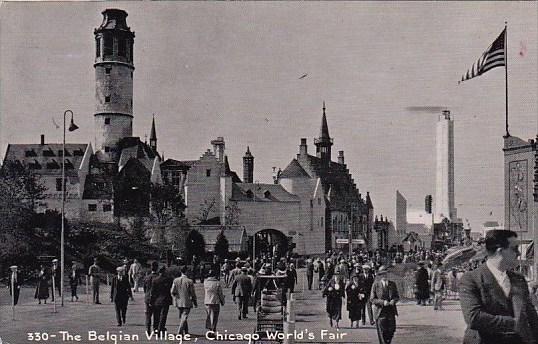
30 153
34 165
53 165
250 194
48 152
267 194
68 164
78 152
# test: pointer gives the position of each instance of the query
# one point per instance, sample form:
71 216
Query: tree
232 212
167 207
205 210
221 246
194 246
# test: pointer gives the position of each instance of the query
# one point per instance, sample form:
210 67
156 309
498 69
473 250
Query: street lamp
72 127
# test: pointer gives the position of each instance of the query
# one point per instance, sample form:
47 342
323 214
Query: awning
237 238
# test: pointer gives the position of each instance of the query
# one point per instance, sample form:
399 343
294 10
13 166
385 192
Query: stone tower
114 69
324 142
444 180
248 167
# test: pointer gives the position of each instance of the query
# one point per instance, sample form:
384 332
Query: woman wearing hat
42 289
334 291
355 296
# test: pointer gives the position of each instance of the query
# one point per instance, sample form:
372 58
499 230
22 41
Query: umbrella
459 256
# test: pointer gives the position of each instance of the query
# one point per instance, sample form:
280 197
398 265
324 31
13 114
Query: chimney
42 139
303 148
341 157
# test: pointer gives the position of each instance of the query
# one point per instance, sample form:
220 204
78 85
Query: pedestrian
120 292
334 291
366 280
56 275
235 272
422 285
150 309
14 284
225 270
495 299
135 271
161 299
42 289
94 273
321 273
354 299
438 287
214 298
74 281
309 273
241 290
453 283
292 277
384 297
185 298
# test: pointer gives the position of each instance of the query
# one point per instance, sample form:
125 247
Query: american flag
494 56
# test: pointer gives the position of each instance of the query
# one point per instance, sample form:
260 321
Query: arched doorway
270 243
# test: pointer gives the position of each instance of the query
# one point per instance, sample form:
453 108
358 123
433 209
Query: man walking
150 311
120 292
309 273
438 286
422 285
214 298
161 299
185 298
384 297
366 280
134 274
495 300
93 272
74 281
241 289
14 284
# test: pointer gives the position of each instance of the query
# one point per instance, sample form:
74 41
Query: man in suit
148 286
185 298
14 285
94 273
422 285
437 287
161 299
384 297
74 281
241 289
309 273
366 280
495 300
120 292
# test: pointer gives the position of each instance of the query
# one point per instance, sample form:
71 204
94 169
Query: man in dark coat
366 280
384 297
495 300
161 299
148 285
241 289
321 272
292 277
309 273
422 285
120 292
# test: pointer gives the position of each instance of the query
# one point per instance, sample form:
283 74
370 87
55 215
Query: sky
208 69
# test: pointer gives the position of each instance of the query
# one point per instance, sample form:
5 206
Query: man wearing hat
184 299
309 273
93 273
120 292
366 280
422 284
384 297
14 284
241 289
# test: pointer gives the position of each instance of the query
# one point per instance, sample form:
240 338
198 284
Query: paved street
416 324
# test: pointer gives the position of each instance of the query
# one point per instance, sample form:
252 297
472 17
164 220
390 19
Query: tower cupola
114 69
324 142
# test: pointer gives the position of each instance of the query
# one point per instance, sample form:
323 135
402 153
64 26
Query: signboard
342 241
353 241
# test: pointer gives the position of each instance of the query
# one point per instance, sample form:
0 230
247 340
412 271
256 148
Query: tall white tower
114 68
444 181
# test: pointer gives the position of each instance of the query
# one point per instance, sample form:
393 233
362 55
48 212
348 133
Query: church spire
153 135
324 130
324 142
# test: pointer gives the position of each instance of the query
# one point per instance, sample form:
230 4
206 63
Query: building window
250 194
107 70
58 184
107 207
208 172
107 120
109 43
107 149
131 50
122 47
176 178
267 194
107 99
98 47
92 207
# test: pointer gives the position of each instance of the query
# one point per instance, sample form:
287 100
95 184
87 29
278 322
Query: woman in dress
354 297
42 290
334 291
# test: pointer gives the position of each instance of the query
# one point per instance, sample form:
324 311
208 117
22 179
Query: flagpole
506 72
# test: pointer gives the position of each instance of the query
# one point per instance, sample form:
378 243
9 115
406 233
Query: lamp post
72 127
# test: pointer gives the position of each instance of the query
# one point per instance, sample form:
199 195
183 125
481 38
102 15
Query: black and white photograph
268 172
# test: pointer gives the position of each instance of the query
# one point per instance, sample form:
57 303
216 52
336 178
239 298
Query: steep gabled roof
262 193
294 170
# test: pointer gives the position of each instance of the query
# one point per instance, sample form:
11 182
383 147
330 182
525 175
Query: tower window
122 47
131 51
98 47
107 99
107 70
108 42
107 120
208 173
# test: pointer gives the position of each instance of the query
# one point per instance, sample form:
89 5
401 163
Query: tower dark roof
153 134
324 130
114 19
247 153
